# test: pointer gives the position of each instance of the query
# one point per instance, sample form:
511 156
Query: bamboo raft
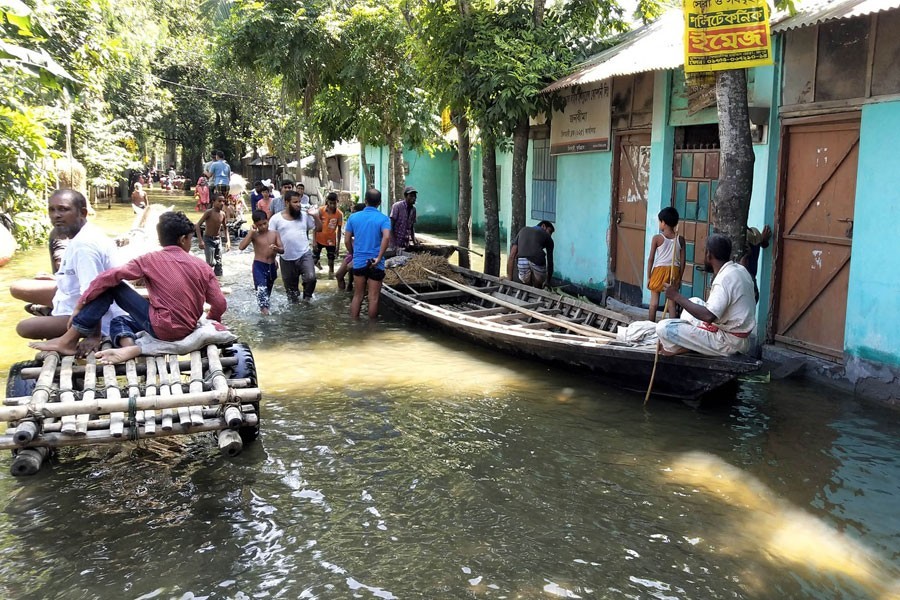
56 402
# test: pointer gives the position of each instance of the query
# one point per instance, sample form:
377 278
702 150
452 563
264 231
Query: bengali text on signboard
584 125
726 34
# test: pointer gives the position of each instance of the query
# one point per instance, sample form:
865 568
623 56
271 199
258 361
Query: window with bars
543 182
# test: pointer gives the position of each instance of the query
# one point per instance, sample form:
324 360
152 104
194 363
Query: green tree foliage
29 77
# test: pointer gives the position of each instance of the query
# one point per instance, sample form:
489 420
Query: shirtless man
139 199
211 242
266 246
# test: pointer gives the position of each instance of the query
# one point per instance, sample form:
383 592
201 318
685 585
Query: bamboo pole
103 424
54 440
150 391
165 390
233 416
230 443
69 425
561 323
116 417
34 372
196 385
184 413
88 393
28 461
109 405
45 379
26 431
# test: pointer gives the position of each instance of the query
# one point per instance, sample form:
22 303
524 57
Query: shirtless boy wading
211 241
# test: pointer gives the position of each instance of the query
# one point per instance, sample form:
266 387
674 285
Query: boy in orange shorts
666 260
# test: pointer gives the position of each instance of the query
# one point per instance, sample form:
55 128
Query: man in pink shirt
178 284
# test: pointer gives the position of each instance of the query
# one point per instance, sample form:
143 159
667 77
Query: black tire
15 385
244 369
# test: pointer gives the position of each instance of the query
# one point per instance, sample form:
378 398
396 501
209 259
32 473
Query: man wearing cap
403 220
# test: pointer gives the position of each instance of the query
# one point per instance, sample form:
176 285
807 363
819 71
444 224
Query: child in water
666 260
266 244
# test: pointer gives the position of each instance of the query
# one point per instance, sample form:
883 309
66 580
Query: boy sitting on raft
178 284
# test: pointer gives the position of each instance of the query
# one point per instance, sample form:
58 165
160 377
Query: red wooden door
630 214
819 163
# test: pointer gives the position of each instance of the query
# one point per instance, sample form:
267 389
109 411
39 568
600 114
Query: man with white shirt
89 253
293 224
722 325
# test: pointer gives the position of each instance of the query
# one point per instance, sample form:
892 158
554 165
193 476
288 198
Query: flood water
396 462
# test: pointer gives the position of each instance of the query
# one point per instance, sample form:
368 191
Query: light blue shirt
220 173
367 227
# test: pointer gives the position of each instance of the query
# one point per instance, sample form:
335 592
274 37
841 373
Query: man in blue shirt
366 236
219 174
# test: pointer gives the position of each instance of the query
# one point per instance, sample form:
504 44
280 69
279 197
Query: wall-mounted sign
584 125
726 34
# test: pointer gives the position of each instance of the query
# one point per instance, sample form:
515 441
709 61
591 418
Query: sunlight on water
774 529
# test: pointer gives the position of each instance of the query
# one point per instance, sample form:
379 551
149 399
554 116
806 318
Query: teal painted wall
583 201
504 181
872 329
435 177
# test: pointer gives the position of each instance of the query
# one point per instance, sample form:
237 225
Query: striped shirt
178 284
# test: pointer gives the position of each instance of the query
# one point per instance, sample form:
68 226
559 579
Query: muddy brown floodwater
396 462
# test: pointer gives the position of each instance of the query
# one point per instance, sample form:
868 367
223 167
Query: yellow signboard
726 34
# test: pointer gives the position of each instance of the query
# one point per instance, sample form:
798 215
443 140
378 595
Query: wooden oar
573 327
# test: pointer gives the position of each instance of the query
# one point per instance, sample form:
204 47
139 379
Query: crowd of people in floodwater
90 296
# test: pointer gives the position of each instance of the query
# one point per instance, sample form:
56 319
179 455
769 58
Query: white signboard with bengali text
584 125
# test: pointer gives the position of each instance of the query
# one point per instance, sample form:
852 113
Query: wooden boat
525 321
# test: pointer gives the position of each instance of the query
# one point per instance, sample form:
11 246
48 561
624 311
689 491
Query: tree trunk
519 164
399 174
491 205
538 12
388 190
464 218
321 172
731 204
363 168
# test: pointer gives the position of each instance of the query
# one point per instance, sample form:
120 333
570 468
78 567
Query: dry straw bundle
415 271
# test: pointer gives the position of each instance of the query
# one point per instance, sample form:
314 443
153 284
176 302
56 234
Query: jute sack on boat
207 332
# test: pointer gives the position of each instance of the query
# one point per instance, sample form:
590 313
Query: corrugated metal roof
654 47
818 12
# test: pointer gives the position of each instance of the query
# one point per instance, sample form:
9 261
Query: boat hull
685 376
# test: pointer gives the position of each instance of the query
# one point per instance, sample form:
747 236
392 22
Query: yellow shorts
660 276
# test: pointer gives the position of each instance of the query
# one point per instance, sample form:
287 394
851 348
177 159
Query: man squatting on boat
722 325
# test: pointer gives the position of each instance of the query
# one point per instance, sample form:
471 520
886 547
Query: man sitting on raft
178 284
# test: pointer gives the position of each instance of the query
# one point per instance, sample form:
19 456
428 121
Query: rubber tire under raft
16 386
244 369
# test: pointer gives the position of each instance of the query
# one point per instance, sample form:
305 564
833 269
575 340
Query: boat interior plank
484 312
442 294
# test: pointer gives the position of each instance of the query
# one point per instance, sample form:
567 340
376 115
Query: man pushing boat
178 284
722 325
